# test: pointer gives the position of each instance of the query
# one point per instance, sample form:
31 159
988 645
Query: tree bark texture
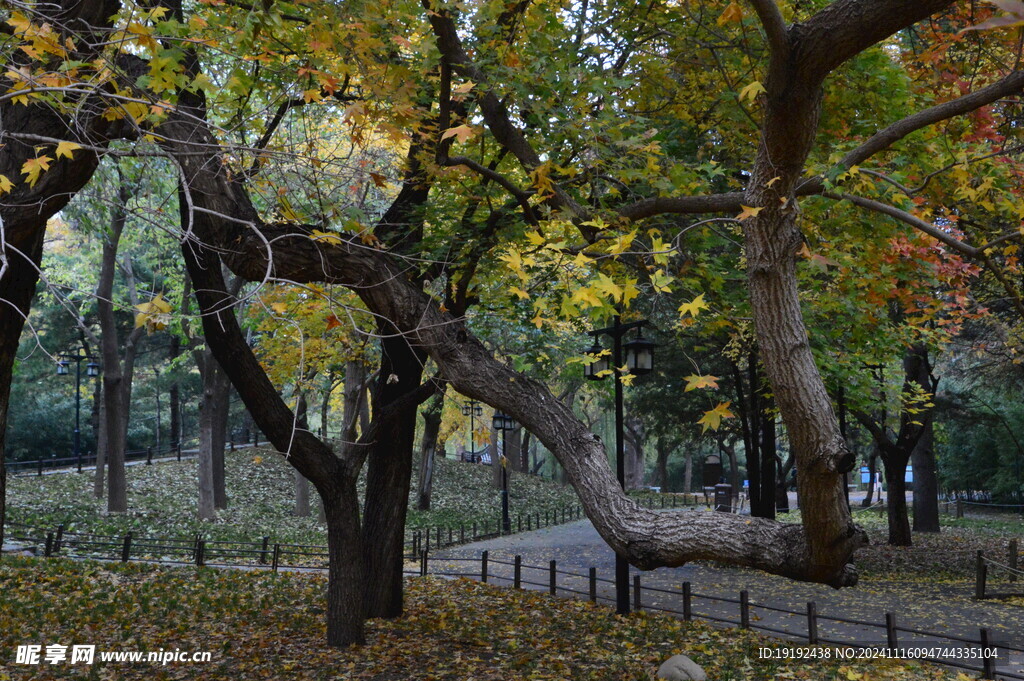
428 450
926 483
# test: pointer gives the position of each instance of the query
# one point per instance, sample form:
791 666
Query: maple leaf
460 132
34 166
327 237
749 212
333 322
750 92
379 180
520 293
734 12
67 149
5 185
694 307
607 286
154 315
713 419
694 382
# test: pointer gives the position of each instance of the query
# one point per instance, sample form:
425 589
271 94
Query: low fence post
60 538
529 522
637 603
48 549
890 631
263 552
517 572
126 547
149 456
988 661
812 623
553 578
687 602
593 585
744 609
483 567
200 550
981 575
424 565
1012 551
462 534
40 467
276 557
178 447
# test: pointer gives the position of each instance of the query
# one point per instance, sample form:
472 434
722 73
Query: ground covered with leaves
162 499
261 625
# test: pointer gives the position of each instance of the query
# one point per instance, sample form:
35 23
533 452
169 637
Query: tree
227 221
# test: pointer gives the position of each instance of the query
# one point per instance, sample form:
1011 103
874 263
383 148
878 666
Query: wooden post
126 547
263 552
529 522
48 549
60 538
277 557
553 578
593 585
519 522
744 610
517 574
200 550
988 661
812 623
1012 557
424 557
462 534
981 575
483 567
687 602
890 631
149 456
637 604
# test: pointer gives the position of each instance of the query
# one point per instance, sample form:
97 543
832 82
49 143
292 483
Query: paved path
942 608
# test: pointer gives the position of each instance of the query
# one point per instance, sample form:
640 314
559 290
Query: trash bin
723 497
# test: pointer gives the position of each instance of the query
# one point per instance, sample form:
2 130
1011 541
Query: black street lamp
639 360
504 423
92 370
472 409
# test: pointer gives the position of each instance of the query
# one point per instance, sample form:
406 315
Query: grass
261 625
162 501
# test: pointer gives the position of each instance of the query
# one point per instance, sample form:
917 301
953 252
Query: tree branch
774 25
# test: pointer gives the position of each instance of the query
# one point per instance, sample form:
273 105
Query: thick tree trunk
219 436
174 395
204 461
926 484
302 508
346 609
102 443
388 475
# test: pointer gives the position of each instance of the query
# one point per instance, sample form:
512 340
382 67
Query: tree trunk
768 448
872 466
896 508
663 451
174 395
302 509
213 422
204 461
102 443
222 407
346 609
688 473
634 452
926 484
428 450
389 473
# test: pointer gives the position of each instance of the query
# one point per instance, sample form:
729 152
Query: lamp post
92 370
504 423
472 409
639 360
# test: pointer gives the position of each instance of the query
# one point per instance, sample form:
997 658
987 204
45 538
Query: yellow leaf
694 307
516 291
734 12
607 286
33 167
326 237
67 149
750 92
713 419
154 315
694 382
279 308
5 185
749 212
535 238
773 180
460 132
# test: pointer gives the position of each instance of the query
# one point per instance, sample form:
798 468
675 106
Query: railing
978 655
989 570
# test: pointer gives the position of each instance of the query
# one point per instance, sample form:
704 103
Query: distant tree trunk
688 473
494 448
896 508
174 395
926 484
634 452
768 447
782 483
222 407
428 450
389 473
514 438
524 451
662 449
872 466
